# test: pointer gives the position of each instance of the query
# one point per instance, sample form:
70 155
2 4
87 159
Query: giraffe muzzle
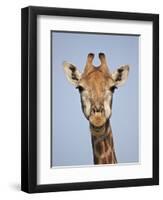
97 119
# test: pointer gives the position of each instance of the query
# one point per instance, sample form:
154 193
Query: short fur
96 86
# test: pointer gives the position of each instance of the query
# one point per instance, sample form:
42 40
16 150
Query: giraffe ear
120 75
72 73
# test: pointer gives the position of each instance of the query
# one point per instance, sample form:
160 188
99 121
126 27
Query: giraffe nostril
102 109
93 110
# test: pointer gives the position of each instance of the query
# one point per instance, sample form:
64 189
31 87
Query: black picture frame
29 98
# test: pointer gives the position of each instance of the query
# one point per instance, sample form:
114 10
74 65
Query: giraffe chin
97 125
96 128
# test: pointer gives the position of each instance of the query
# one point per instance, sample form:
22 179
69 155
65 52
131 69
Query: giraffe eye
113 88
80 88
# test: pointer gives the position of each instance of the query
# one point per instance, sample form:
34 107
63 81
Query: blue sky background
71 139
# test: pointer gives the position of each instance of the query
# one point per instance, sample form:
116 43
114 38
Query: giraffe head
96 86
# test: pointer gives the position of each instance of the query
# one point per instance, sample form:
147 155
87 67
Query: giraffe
96 86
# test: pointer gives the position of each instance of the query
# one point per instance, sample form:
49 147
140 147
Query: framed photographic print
90 99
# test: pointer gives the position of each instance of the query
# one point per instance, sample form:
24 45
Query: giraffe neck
103 145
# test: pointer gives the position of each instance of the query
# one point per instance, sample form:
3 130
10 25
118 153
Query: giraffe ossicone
96 86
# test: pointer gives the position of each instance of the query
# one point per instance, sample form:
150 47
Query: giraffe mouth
97 121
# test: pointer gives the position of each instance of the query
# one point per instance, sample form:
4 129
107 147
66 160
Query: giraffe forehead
97 80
